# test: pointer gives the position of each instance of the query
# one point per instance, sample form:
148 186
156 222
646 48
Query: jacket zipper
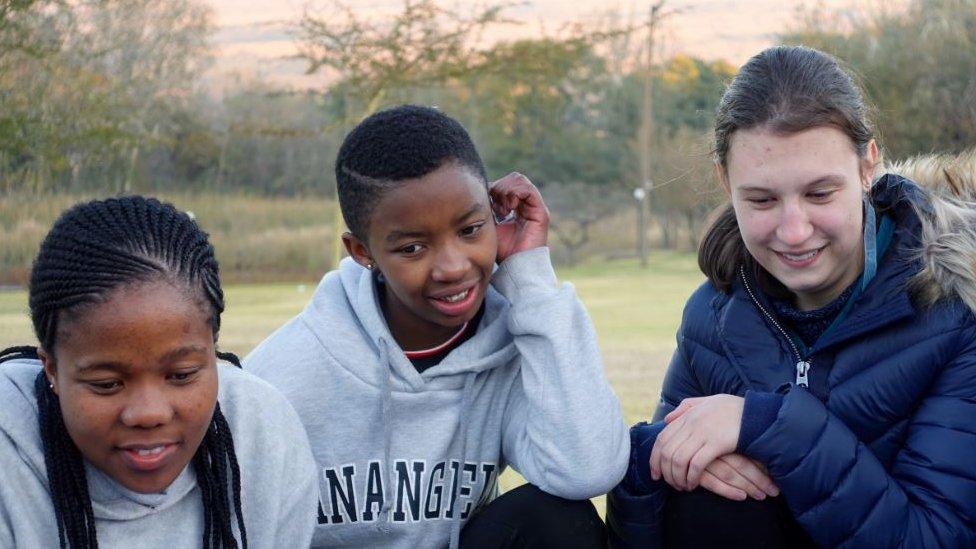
802 365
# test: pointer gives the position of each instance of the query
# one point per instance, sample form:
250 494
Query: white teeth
456 297
150 451
803 257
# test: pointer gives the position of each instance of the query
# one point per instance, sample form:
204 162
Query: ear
358 250
869 164
723 178
50 369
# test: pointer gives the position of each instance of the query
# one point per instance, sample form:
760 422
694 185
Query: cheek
843 224
88 419
407 279
487 251
198 407
756 226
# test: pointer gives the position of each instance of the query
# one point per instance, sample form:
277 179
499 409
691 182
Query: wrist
523 271
642 438
758 413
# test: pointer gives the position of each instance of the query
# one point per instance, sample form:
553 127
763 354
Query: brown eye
411 249
184 376
473 229
105 387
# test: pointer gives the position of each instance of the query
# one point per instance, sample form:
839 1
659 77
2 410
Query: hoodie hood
945 245
278 487
406 457
345 316
110 500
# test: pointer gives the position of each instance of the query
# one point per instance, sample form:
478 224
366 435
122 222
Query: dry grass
635 311
258 239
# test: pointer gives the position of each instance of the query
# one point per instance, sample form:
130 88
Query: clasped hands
697 448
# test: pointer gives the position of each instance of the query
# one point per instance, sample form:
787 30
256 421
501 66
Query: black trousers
529 518
703 519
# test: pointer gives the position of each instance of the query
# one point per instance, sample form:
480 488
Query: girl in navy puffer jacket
831 356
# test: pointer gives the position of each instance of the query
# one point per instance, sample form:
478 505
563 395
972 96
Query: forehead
135 321
758 156
429 203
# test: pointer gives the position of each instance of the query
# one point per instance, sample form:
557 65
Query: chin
147 485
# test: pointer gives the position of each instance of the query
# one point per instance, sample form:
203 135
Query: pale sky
253 39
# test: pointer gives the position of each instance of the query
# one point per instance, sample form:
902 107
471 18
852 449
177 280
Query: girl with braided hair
121 429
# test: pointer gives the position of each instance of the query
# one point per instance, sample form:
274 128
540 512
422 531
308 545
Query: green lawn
636 312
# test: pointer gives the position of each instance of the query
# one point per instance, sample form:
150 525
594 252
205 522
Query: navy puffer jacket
880 450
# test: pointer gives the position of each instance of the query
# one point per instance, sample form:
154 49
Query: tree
423 46
918 66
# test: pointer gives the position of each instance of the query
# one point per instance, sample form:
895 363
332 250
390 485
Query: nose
450 264
795 227
147 408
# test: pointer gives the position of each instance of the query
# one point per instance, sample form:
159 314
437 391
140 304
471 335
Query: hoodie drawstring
463 430
386 413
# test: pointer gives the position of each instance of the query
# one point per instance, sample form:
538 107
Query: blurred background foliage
100 97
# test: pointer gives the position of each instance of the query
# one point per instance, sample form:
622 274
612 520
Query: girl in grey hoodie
421 370
121 430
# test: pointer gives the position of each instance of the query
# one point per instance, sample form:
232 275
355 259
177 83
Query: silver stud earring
369 266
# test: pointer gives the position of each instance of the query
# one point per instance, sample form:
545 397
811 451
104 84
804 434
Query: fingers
686 404
682 463
705 454
516 192
671 453
753 471
730 475
661 453
715 485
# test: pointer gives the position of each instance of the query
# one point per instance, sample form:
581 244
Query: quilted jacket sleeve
844 497
635 507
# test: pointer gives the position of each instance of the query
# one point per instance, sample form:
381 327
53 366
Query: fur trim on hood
948 250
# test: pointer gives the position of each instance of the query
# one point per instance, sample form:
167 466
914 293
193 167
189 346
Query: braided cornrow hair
92 249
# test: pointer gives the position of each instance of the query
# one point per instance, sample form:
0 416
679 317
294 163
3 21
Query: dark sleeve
844 497
758 413
635 507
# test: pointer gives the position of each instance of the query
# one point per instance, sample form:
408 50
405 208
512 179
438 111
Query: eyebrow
829 178
475 208
122 367
395 235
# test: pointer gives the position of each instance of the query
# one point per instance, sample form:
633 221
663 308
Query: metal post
640 195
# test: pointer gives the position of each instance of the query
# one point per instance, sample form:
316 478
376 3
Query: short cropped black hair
404 142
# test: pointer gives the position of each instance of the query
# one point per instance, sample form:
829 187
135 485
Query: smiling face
136 377
433 239
797 199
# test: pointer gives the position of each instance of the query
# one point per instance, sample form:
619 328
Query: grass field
636 312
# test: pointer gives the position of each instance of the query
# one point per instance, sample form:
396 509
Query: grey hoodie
277 475
406 457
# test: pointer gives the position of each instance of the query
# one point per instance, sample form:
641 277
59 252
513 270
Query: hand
697 433
736 477
530 227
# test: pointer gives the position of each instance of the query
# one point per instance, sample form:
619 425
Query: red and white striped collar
424 353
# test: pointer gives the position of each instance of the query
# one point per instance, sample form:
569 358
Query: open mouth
800 259
456 304
456 297
148 457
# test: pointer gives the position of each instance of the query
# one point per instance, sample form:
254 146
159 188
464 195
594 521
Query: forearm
565 425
